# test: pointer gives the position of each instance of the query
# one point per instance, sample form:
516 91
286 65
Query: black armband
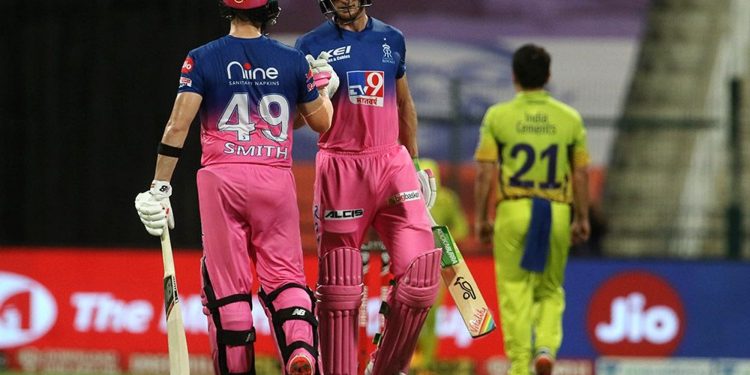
168 150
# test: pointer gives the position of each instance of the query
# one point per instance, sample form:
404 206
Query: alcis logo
344 214
27 310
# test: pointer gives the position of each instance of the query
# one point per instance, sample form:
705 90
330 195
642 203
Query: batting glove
154 208
325 77
428 186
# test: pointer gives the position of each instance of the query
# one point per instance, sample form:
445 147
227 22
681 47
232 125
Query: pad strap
279 317
225 337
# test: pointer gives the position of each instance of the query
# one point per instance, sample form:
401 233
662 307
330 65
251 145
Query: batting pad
339 295
409 301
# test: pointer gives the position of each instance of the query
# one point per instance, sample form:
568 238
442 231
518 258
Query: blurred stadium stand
88 86
668 184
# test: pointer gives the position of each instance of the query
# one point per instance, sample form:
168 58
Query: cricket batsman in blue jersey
247 89
367 175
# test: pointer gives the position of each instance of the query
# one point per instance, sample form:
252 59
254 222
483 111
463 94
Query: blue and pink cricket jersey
368 64
250 90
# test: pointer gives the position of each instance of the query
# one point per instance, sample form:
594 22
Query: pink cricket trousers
250 221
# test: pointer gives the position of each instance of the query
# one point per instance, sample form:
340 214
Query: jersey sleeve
307 91
581 156
302 46
487 146
191 78
401 70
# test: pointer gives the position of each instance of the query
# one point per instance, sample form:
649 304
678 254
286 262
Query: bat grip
166 252
432 220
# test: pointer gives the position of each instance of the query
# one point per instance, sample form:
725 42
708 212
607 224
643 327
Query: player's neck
357 25
527 90
240 29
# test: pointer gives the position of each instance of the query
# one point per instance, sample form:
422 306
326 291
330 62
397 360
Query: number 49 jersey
250 90
368 64
537 140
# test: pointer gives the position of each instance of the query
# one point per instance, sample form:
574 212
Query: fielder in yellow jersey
539 144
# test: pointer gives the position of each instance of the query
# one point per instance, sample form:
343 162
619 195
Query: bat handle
166 252
432 220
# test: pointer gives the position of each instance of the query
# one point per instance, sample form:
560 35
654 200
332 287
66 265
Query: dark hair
531 66
261 17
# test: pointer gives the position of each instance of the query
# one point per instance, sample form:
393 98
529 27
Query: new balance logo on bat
344 214
467 288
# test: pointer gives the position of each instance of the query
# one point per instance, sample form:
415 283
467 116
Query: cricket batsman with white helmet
247 90
367 174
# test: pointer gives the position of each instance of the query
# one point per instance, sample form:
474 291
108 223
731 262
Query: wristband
167 150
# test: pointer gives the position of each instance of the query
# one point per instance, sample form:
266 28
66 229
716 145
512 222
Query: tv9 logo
366 87
636 314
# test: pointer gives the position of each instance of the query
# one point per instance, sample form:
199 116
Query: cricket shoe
543 363
370 365
300 365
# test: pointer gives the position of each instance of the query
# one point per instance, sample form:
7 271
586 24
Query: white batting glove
428 186
325 77
154 208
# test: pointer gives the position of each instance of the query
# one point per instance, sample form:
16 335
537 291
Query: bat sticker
170 293
466 286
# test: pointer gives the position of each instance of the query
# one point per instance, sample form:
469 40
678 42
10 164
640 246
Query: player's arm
407 136
579 163
486 155
317 113
185 108
482 185
580 227
153 205
407 117
299 121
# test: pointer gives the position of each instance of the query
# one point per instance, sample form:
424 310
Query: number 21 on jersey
550 153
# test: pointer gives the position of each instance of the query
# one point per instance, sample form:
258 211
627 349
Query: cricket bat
178 353
384 280
364 352
461 285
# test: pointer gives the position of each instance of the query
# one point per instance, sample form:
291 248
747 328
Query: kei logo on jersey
366 87
340 53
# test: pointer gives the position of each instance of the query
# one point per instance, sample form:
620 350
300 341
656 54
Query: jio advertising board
657 309
109 303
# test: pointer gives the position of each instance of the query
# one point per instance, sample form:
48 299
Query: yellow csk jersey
537 140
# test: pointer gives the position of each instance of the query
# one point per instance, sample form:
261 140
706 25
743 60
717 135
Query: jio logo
636 314
27 310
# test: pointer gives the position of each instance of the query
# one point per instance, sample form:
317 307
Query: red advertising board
111 300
